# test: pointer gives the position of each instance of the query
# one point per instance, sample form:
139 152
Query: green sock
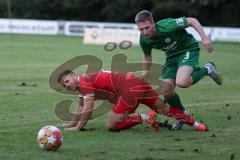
176 102
199 74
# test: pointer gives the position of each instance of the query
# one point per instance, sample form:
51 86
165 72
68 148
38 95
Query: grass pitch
28 103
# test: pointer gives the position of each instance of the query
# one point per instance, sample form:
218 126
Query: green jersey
170 37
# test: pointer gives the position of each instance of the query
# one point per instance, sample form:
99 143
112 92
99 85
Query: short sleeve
169 25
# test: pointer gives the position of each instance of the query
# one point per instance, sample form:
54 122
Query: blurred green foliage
209 12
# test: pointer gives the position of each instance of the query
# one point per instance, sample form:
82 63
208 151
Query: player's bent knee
112 129
183 84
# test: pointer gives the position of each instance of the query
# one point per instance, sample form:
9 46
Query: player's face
70 82
147 28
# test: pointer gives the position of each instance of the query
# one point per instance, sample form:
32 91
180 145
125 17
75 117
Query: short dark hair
64 73
143 16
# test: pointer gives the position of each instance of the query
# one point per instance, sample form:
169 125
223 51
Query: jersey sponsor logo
167 40
170 47
180 22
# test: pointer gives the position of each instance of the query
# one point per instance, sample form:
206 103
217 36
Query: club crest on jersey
167 40
180 22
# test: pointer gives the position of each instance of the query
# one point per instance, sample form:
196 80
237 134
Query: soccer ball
50 138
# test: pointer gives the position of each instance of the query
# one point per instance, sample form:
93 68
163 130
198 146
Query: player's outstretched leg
187 119
213 73
175 101
177 125
178 114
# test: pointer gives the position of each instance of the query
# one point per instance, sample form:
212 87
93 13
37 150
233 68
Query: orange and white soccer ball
50 138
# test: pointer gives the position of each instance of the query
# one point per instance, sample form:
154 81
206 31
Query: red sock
129 122
180 115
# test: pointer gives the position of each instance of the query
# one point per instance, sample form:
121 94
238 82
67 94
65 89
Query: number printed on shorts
187 55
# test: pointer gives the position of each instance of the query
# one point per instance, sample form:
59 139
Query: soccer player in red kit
124 90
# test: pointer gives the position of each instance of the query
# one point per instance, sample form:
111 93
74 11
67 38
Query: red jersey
111 86
99 85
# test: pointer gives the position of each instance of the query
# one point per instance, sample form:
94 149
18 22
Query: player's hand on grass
207 44
69 125
75 129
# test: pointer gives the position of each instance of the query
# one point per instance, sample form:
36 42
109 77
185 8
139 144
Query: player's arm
147 61
76 116
86 112
198 27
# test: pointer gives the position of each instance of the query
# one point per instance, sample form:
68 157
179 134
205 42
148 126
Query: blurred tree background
209 12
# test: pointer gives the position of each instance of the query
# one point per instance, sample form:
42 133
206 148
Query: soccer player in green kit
182 67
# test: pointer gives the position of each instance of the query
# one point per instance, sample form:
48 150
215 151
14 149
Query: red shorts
133 91
122 107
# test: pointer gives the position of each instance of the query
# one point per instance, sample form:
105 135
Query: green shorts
189 58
